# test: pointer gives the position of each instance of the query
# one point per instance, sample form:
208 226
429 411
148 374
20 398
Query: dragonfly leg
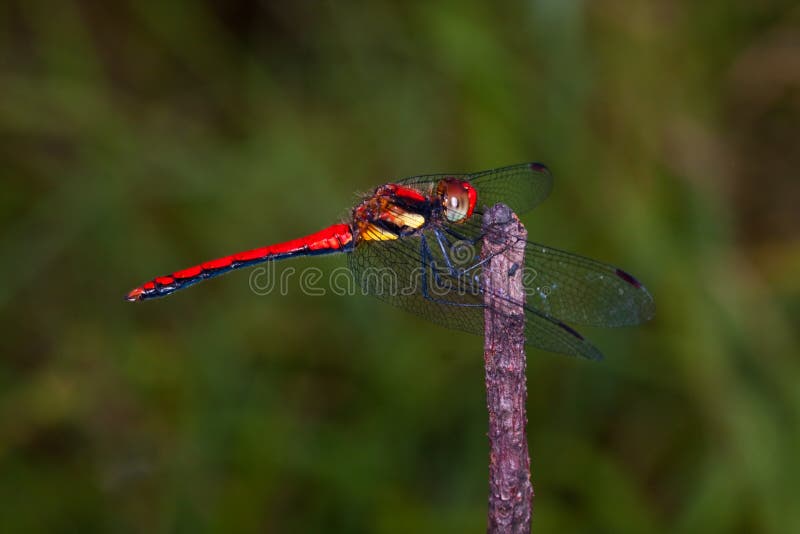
477 264
427 255
441 240
459 273
427 260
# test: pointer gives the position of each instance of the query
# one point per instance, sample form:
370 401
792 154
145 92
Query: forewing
521 186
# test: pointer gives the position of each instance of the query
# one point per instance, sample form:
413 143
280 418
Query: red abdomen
336 238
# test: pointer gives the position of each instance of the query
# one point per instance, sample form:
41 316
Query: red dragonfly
424 232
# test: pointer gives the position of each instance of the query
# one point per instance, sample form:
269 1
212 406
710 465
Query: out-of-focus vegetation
141 137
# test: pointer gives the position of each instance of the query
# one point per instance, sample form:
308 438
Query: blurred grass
136 138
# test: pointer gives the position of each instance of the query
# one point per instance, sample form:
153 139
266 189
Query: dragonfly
415 243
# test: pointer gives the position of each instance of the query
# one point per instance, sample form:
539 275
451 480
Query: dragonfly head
458 199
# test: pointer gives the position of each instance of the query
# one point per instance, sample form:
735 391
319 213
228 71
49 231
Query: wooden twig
510 489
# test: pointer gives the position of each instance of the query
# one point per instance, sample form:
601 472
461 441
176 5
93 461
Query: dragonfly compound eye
458 199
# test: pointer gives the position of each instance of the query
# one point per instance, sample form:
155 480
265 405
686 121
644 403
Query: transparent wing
396 272
521 187
582 291
573 288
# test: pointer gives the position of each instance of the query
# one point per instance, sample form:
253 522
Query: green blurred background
141 137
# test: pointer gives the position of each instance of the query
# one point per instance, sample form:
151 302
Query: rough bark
510 489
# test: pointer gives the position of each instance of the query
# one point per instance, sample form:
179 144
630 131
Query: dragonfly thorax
391 212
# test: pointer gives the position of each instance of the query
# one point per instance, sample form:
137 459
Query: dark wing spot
629 278
570 330
539 167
